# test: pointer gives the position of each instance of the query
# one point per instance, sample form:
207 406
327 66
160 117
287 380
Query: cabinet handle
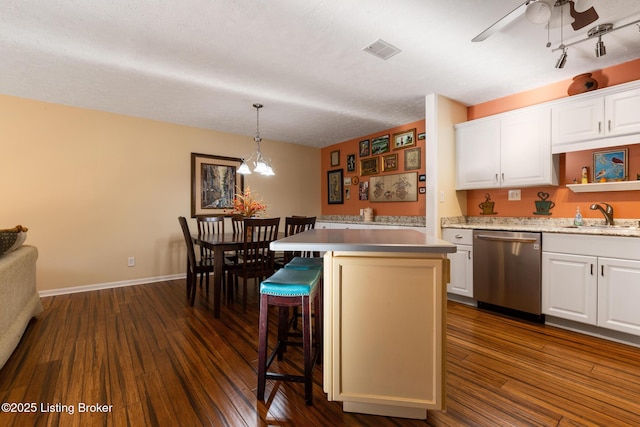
592 269
458 236
609 125
502 177
599 127
496 178
602 270
469 255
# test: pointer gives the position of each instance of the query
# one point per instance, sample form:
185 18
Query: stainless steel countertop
363 240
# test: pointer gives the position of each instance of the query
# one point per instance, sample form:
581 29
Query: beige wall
95 188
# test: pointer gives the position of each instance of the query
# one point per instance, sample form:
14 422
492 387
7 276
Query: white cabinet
618 294
570 287
508 150
461 278
592 279
477 154
595 117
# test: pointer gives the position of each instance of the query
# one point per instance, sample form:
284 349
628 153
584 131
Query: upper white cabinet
597 119
509 150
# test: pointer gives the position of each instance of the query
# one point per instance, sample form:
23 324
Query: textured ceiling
204 63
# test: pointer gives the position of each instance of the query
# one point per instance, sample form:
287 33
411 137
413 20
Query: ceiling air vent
382 49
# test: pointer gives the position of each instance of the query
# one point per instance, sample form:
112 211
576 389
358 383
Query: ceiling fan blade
582 19
502 22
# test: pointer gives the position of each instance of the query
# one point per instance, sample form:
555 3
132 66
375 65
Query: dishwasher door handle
507 239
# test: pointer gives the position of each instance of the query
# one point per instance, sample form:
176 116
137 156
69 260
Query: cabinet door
570 287
618 295
461 271
525 149
577 121
478 155
622 113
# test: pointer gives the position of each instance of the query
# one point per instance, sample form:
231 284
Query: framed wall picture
335 187
390 162
214 182
365 148
380 145
412 159
610 165
335 158
404 139
363 191
369 166
401 187
351 162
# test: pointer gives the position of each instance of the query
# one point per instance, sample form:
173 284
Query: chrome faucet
607 211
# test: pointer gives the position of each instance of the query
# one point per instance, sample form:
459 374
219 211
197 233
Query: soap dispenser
577 221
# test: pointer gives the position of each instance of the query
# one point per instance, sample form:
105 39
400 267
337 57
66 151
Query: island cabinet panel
385 332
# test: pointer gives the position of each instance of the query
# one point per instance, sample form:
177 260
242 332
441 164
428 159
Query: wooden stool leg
262 345
317 308
306 345
283 330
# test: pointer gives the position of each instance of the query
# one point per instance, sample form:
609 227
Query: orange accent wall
352 204
626 203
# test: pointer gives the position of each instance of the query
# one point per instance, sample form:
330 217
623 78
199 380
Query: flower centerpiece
247 204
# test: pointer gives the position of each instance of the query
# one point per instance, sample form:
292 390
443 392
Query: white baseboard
99 286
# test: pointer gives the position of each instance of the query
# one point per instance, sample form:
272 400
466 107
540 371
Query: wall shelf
605 186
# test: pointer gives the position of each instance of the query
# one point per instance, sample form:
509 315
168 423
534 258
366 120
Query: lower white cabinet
570 287
618 294
580 285
461 276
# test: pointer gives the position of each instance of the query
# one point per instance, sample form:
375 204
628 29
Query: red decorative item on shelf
582 83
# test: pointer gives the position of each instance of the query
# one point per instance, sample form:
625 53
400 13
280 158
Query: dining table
219 244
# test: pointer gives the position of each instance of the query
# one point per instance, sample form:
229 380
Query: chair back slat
191 255
210 224
295 225
237 221
258 258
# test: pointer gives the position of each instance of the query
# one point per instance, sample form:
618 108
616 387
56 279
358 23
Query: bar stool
304 263
286 288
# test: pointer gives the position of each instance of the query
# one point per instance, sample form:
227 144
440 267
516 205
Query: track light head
562 60
601 49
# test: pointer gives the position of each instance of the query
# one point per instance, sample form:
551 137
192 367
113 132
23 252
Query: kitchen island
384 318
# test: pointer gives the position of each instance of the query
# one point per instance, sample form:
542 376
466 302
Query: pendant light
261 163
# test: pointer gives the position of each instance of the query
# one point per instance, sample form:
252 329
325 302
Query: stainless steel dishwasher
507 272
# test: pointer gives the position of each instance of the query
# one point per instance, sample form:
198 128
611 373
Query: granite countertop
406 221
622 227
363 240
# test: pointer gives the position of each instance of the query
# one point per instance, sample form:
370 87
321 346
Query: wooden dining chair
256 258
209 225
195 267
294 225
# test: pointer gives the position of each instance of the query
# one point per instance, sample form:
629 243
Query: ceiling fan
552 12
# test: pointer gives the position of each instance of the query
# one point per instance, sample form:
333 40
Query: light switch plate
514 195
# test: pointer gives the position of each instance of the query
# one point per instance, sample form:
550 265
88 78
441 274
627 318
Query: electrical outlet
514 195
131 261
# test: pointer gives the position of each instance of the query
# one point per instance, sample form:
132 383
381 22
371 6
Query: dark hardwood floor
159 362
